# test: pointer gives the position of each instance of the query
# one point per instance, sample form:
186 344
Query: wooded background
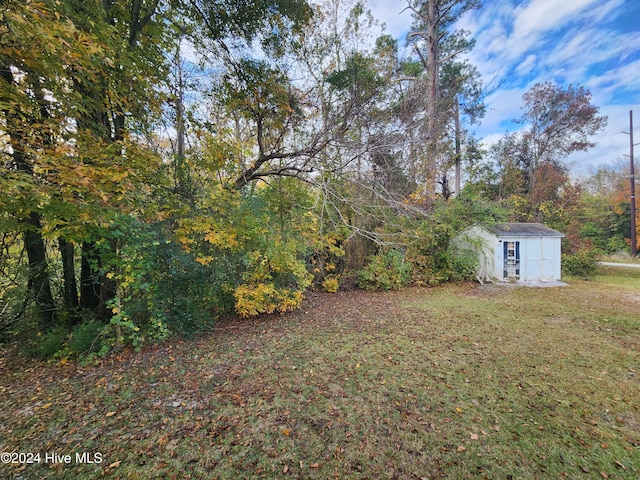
166 162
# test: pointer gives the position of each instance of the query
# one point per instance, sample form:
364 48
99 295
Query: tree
309 110
125 95
82 84
36 105
462 94
436 45
120 99
556 123
606 208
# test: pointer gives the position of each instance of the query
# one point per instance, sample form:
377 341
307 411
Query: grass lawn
452 382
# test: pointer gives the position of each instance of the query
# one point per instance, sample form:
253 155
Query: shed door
511 252
548 259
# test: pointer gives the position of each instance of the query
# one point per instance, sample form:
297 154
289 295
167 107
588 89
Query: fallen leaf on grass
110 414
115 464
620 465
460 448
314 465
474 436
286 432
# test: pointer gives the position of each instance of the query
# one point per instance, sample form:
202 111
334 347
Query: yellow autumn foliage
331 283
265 298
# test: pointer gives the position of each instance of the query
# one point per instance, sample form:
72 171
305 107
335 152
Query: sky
589 43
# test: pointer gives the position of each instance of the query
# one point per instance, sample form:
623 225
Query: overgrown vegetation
386 271
582 264
138 204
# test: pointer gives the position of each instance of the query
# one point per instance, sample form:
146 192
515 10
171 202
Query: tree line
166 162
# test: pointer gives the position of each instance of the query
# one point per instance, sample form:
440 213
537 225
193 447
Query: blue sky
592 43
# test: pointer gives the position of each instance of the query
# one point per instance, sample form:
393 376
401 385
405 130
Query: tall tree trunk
71 302
180 173
89 277
96 290
107 122
433 96
39 282
458 141
38 276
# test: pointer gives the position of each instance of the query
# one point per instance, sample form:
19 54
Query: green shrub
86 338
163 289
234 252
582 264
386 271
463 267
616 244
51 342
442 266
595 234
434 257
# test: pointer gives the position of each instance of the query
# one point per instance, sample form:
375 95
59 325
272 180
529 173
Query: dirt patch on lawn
558 320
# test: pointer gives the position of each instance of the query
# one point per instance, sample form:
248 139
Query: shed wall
477 241
540 256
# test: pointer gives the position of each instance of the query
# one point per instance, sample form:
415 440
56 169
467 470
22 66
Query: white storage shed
514 252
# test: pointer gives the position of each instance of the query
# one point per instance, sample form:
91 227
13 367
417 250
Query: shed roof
522 230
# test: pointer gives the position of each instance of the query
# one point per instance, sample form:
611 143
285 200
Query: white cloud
490 140
541 16
503 107
580 52
507 34
526 66
522 42
620 81
395 16
574 45
612 143
602 12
